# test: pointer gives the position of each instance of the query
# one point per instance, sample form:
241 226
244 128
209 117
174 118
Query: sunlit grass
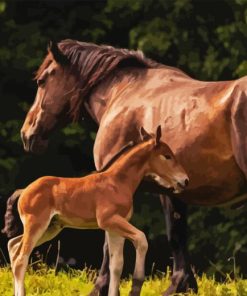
75 282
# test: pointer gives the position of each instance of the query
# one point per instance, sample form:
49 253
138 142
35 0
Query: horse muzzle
34 143
181 185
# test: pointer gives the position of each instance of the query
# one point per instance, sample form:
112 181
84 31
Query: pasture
204 39
80 282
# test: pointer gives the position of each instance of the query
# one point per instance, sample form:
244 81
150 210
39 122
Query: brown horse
101 200
203 122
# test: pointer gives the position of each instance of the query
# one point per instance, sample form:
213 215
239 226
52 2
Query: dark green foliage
207 39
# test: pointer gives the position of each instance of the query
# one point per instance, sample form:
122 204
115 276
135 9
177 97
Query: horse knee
19 266
11 243
141 243
103 223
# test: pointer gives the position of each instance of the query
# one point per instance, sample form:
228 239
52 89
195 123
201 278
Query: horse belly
217 183
78 223
215 177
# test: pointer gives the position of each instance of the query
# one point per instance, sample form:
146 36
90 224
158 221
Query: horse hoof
170 291
181 283
101 286
134 293
103 291
94 292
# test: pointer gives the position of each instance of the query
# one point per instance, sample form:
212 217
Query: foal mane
92 63
117 156
124 149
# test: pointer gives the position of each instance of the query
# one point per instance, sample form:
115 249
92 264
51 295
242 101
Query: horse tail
12 219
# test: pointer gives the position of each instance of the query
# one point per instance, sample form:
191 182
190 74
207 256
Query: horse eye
167 156
40 82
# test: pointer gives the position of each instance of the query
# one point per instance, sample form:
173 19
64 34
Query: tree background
206 39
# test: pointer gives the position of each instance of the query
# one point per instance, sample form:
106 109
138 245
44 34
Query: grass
79 283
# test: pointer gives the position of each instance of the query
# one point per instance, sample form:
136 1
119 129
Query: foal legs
122 227
140 242
116 244
13 246
20 250
101 285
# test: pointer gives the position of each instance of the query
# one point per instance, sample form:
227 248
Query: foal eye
40 82
167 156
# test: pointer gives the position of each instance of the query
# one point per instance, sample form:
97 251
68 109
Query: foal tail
12 219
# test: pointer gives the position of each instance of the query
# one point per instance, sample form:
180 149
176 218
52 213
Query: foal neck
132 166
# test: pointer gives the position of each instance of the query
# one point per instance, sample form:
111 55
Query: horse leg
101 285
49 234
176 223
22 250
141 245
52 231
116 244
123 228
13 246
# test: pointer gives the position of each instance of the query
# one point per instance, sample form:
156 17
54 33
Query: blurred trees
206 39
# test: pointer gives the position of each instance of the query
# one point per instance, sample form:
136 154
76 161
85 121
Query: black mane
93 63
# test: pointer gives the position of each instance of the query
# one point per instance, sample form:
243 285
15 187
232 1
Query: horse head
54 99
65 79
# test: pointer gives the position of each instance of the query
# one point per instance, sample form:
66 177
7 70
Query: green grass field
75 283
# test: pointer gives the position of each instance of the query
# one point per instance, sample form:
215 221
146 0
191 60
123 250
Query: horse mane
45 64
92 63
116 156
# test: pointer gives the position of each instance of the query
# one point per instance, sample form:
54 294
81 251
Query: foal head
163 166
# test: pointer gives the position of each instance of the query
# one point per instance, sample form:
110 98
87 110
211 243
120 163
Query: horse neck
132 166
109 88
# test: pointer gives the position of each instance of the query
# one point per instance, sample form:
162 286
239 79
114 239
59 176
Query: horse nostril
183 184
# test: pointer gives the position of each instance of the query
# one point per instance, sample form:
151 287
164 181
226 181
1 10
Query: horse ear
144 134
158 135
58 56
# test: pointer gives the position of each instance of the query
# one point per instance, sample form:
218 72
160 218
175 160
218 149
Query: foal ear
158 135
58 56
144 134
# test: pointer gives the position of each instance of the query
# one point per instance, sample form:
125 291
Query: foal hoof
134 293
100 292
101 286
94 292
136 287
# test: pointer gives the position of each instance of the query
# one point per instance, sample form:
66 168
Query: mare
100 200
203 122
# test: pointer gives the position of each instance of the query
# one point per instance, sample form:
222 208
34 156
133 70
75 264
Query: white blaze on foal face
166 171
163 176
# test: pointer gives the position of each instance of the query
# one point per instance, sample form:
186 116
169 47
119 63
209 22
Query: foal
101 200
